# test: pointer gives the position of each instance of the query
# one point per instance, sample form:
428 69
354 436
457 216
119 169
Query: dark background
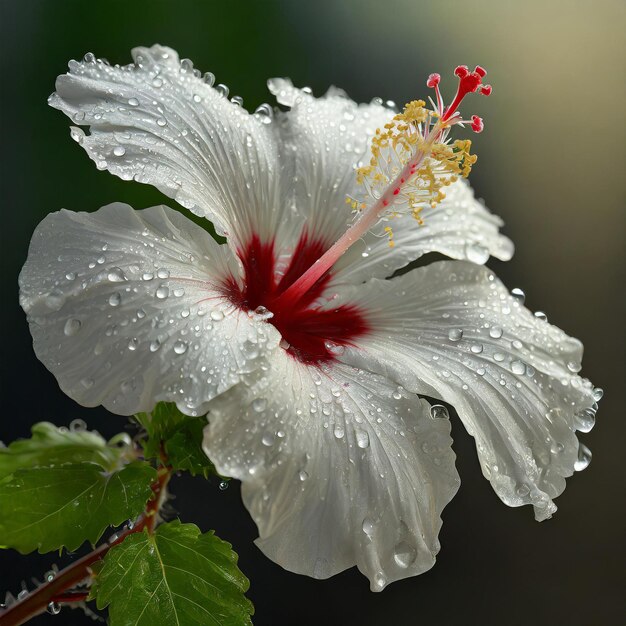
551 163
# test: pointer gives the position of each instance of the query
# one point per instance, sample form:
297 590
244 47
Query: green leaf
184 448
50 445
47 508
177 435
175 576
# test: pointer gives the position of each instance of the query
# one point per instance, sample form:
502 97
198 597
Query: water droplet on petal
268 439
217 315
585 420
598 393
404 554
379 582
362 439
302 475
541 315
455 334
119 151
116 275
368 526
223 485
259 405
518 294
72 326
495 332
115 299
584 458
162 292
133 102
155 344
180 347
477 348
519 368
438 411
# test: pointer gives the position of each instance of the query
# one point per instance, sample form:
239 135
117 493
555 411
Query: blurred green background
551 164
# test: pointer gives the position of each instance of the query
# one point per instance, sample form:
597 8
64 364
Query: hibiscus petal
327 137
460 227
339 467
156 121
125 310
452 330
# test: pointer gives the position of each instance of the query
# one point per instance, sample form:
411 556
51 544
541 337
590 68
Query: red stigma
469 82
477 124
433 80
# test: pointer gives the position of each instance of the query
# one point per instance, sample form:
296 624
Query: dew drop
455 334
119 151
259 405
155 344
518 294
362 439
268 439
584 458
404 554
54 608
379 582
302 475
133 102
180 347
368 525
339 431
598 393
163 273
495 332
133 343
78 426
573 366
222 89
585 420
517 367
217 315
116 275
438 411
72 326
477 348
161 121
223 485
541 316
209 78
162 292
115 299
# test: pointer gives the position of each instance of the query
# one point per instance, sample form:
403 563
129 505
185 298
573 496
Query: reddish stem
58 589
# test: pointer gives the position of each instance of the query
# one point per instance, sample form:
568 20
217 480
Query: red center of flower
314 335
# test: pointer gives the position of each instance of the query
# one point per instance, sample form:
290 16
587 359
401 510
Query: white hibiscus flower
308 367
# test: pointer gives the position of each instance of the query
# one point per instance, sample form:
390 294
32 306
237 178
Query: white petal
125 309
158 122
459 227
327 137
452 330
339 467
